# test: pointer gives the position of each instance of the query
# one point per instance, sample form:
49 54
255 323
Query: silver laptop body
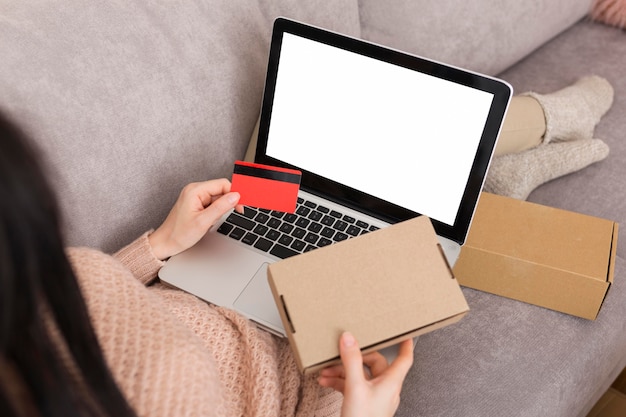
380 137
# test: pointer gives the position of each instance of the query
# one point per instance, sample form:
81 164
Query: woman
82 335
86 334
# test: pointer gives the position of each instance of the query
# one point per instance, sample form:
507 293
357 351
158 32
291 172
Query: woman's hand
373 394
198 207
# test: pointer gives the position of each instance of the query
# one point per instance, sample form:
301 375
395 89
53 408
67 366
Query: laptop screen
375 126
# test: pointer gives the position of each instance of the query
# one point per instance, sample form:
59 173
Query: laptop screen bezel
356 199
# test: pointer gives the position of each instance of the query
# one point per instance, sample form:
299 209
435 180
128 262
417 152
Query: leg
546 136
573 112
523 128
564 115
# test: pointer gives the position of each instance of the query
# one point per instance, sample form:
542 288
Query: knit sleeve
160 365
140 260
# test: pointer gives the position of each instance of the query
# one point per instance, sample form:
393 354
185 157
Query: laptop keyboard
287 234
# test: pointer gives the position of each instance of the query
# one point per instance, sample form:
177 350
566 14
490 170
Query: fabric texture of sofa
130 100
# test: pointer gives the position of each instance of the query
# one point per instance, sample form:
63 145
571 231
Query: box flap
382 286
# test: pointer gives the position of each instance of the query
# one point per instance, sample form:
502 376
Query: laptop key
324 242
339 236
240 221
273 223
311 238
298 245
327 220
249 238
277 214
298 232
285 240
260 229
261 218
263 244
282 252
303 211
348 219
290 217
237 233
225 228
273 235
249 212
340 225
353 231
327 232
303 222
315 215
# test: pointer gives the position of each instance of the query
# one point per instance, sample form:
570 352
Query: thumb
218 208
351 357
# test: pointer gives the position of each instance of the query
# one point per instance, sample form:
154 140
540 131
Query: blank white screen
397 134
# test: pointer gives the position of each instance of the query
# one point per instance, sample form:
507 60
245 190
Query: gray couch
131 100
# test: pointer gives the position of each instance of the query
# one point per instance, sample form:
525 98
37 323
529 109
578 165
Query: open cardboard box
545 256
384 287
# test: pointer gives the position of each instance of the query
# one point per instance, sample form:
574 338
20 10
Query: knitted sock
516 175
573 112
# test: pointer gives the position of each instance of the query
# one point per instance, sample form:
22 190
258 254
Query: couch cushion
130 100
480 36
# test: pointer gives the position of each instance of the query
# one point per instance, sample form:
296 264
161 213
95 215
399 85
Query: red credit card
266 186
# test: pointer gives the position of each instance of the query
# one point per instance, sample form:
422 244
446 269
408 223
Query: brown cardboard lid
543 235
379 286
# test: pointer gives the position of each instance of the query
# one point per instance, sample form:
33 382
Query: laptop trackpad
257 302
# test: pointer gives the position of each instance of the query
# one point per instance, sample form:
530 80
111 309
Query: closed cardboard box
541 255
384 287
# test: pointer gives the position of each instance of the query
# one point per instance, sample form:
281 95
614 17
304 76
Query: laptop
380 136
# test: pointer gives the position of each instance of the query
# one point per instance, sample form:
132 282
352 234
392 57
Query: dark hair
50 361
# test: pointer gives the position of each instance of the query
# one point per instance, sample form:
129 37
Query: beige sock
573 112
516 175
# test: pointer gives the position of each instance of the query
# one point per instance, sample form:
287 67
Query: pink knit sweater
174 355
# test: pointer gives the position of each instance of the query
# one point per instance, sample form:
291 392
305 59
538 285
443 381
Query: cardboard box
549 257
384 287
